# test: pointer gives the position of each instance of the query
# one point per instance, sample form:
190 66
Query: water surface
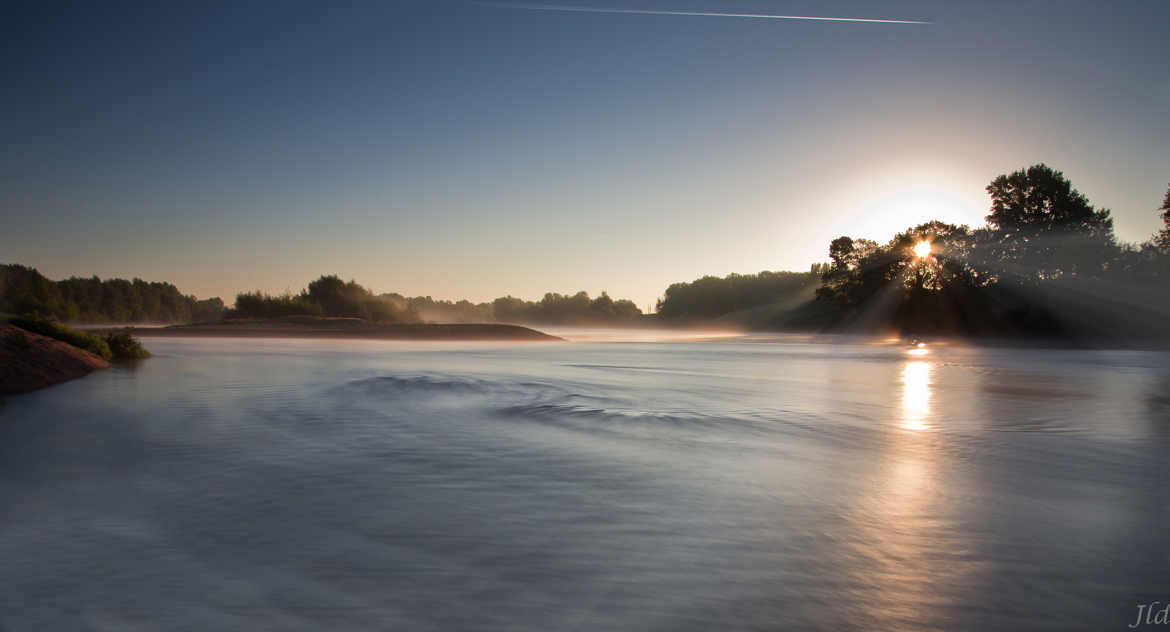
739 483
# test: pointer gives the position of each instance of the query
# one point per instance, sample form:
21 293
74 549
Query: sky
466 149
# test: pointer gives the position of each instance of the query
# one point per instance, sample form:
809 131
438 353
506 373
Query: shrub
126 347
45 327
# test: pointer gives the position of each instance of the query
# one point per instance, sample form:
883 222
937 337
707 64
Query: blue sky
459 149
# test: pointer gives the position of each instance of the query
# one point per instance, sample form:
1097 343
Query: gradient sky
458 149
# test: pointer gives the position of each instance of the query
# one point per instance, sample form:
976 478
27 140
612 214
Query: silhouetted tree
1162 240
1042 228
338 298
845 273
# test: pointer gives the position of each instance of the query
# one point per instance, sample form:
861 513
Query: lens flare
922 249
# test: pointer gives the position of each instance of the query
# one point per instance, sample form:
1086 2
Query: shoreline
30 362
348 329
356 329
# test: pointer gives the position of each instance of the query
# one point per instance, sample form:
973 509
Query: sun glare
881 208
915 395
922 249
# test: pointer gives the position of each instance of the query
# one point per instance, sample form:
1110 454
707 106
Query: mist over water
739 483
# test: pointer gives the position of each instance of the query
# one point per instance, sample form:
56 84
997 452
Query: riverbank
345 328
29 361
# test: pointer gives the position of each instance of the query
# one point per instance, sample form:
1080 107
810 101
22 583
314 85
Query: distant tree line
434 310
713 297
23 290
1046 263
564 309
329 296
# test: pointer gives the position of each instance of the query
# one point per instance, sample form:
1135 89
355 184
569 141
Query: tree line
329 296
564 309
712 297
23 290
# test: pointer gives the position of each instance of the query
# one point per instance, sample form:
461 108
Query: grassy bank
117 345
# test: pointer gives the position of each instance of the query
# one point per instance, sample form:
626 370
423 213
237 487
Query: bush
126 347
45 327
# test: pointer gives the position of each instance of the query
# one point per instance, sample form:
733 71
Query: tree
1162 239
349 299
509 309
848 257
334 296
841 253
1042 228
208 310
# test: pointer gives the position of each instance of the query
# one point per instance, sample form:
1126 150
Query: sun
922 249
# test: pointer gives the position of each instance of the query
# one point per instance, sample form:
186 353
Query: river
736 483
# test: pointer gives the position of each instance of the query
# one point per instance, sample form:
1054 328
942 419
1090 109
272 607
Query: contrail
757 16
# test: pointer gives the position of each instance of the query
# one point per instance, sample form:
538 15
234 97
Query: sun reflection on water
915 394
904 550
